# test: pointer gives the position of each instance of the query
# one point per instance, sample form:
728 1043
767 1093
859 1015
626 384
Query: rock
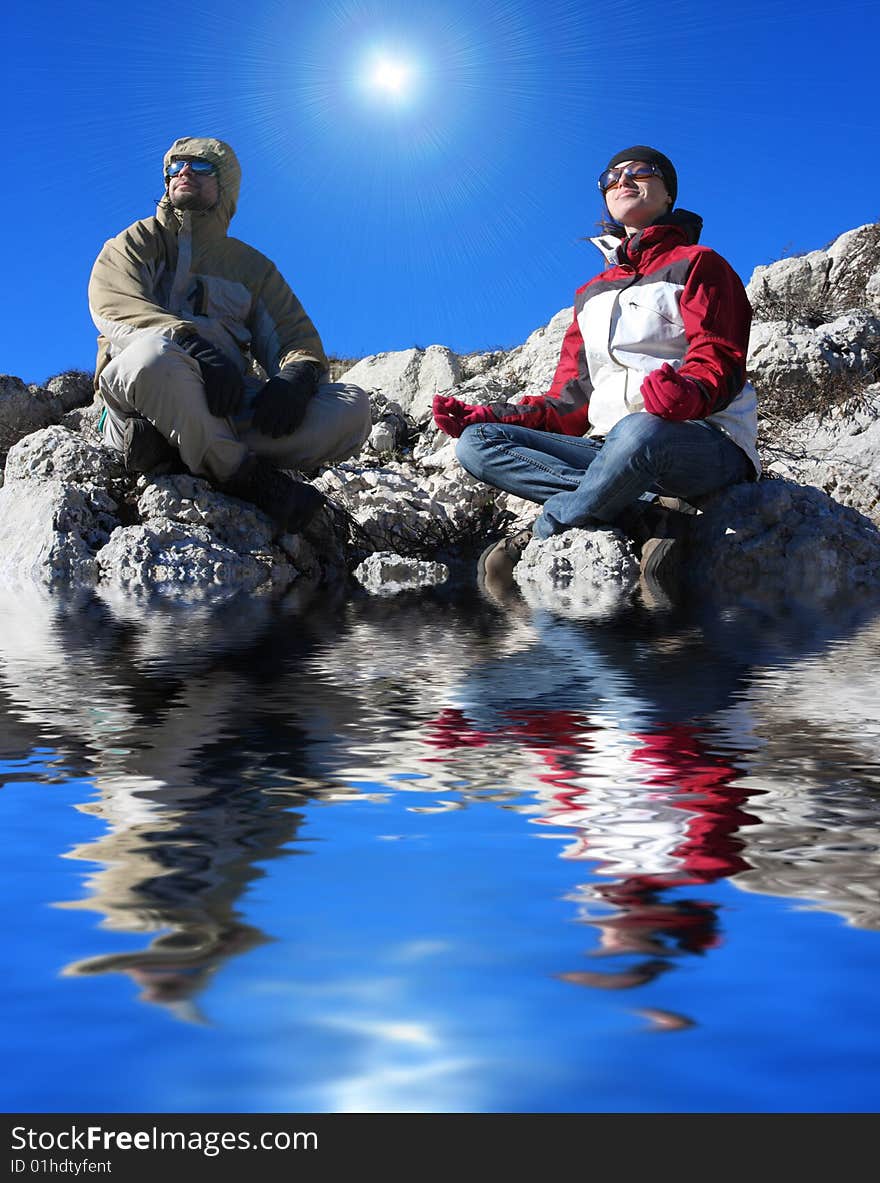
532 365
73 388
844 352
58 507
815 287
840 453
585 574
410 377
401 508
385 573
181 560
50 534
775 542
24 409
60 523
57 453
69 512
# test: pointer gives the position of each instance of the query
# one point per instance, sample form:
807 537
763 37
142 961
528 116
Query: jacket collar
203 225
680 226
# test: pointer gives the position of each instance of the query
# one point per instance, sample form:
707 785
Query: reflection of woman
649 393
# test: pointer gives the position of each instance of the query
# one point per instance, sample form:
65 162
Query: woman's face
637 203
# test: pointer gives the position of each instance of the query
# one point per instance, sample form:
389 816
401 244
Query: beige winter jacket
179 273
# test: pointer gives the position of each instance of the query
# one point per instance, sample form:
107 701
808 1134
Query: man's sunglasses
639 172
203 168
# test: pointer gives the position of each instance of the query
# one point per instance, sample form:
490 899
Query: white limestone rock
409 377
843 276
58 506
23 410
49 535
789 357
58 453
840 454
532 365
385 573
181 560
585 574
72 389
776 541
399 506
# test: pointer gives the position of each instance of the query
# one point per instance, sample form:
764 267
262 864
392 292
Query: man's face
192 190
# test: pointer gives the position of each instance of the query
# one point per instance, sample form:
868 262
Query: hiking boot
145 449
678 505
661 562
664 530
495 565
291 504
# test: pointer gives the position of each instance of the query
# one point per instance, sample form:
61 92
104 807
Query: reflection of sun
390 77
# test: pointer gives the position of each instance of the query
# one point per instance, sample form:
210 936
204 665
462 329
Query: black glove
280 404
224 387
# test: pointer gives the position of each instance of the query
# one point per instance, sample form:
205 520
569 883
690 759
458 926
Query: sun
390 77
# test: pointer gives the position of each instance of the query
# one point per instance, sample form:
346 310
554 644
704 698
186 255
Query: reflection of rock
817 720
194 774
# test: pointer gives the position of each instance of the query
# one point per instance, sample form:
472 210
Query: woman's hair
607 225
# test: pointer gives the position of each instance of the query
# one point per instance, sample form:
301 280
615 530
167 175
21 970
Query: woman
649 396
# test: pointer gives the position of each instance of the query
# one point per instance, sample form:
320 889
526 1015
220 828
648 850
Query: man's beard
191 201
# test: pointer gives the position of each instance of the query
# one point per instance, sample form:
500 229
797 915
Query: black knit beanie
650 156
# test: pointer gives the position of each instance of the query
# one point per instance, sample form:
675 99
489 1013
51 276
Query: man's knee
150 362
352 406
359 403
335 428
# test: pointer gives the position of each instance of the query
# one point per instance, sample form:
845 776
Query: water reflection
195 776
660 755
652 803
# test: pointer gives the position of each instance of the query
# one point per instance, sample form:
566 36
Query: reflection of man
183 311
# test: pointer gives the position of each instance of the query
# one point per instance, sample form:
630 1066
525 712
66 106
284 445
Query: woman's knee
637 431
473 447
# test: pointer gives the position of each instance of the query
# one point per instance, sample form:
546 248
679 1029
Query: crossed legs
580 481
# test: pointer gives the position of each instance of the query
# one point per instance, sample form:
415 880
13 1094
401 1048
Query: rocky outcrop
815 341
409 377
404 513
25 409
69 516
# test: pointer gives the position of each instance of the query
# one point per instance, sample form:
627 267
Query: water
426 854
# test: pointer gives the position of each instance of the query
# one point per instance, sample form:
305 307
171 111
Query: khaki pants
155 378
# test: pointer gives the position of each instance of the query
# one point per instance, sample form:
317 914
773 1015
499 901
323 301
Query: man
183 311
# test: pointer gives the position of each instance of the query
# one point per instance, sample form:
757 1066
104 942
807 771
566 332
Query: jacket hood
228 176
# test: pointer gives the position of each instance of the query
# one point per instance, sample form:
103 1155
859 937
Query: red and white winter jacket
661 299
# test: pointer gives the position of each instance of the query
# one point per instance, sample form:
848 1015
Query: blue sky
452 211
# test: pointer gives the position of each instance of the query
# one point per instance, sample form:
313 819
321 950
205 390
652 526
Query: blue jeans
581 481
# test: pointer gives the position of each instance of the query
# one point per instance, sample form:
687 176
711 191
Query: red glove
453 416
672 395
